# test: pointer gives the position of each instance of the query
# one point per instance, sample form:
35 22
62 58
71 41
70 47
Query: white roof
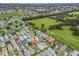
74 53
45 53
42 46
21 38
27 52
43 35
50 50
24 36
6 38
10 47
1 39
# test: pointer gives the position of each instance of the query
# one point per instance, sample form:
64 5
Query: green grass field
64 35
75 15
45 21
2 16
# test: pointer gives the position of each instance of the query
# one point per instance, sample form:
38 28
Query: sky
39 1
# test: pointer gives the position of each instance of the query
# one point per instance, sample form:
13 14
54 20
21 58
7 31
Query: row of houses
59 49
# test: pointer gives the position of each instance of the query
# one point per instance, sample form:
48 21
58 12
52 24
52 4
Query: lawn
45 21
64 35
68 17
12 14
74 13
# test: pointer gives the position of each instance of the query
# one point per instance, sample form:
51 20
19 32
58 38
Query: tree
20 24
8 27
36 28
55 27
29 43
44 30
33 25
10 17
10 24
17 30
0 49
76 33
30 23
5 18
71 22
75 30
42 26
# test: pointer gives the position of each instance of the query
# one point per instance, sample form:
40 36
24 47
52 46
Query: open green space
74 15
68 17
65 35
46 21
2 16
